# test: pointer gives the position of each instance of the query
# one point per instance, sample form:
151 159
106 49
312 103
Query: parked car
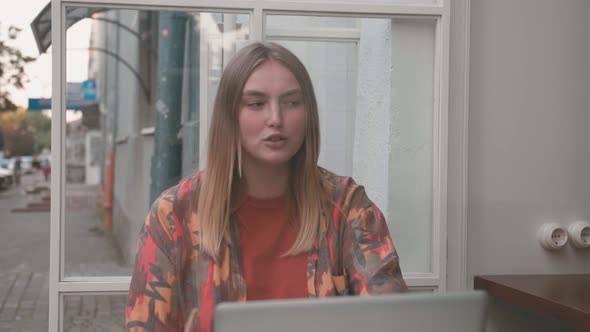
6 178
26 164
7 163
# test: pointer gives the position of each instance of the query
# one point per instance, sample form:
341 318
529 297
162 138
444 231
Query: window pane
139 85
276 24
423 289
378 2
376 113
24 296
94 312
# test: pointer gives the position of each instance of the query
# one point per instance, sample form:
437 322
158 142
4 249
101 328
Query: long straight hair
219 195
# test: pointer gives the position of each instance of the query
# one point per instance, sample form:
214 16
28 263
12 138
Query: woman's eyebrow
256 93
291 93
253 93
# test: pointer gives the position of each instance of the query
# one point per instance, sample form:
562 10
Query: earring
239 147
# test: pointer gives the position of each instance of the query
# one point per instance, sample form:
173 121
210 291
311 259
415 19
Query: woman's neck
266 181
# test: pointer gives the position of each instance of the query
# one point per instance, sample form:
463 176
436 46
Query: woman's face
271 115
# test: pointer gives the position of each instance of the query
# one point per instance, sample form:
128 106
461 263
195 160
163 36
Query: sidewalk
24 261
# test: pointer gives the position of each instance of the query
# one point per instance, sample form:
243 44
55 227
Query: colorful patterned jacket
175 287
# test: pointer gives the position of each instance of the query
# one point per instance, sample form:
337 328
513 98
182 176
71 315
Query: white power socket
552 236
579 233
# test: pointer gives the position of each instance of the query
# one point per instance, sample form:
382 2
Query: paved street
24 261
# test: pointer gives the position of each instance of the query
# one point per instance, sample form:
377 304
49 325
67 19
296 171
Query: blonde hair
219 194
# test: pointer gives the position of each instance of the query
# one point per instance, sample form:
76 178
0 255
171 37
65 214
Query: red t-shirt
265 235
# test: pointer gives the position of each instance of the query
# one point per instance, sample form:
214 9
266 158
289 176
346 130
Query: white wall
120 93
528 150
133 159
372 126
528 132
411 137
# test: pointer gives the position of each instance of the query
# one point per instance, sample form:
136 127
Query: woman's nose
275 117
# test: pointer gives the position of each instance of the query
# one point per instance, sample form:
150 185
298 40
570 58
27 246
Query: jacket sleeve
153 299
370 259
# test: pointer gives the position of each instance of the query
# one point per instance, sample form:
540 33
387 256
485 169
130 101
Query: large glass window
141 84
374 80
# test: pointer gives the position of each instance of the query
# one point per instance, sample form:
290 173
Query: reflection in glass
139 88
374 81
377 2
278 25
423 290
94 312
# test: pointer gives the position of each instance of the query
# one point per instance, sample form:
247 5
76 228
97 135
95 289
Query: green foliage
24 133
12 69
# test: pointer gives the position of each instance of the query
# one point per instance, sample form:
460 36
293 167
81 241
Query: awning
41 25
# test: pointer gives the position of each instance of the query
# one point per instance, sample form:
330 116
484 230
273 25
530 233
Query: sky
20 14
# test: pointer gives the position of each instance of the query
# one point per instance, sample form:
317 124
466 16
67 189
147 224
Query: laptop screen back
452 312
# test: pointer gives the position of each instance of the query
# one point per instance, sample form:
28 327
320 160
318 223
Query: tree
12 69
41 125
24 133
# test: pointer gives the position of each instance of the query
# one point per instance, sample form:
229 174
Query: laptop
452 312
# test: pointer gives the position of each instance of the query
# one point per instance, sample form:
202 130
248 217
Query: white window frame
61 286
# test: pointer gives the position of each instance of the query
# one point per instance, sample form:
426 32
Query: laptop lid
452 312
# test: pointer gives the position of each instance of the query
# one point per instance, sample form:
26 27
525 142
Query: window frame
437 279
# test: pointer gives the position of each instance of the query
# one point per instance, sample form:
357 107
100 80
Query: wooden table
565 297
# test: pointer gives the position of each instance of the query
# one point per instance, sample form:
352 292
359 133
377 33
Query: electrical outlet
579 233
552 236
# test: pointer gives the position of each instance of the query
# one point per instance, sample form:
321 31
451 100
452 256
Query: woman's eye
293 103
255 104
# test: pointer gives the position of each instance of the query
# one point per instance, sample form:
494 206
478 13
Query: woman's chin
274 161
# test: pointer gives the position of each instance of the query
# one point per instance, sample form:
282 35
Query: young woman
262 221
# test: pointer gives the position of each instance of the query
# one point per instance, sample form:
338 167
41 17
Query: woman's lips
275 141
275 138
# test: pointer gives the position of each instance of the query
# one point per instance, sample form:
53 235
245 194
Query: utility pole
167 159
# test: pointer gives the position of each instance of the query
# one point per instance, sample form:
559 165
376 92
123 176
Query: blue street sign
38 104
89 90
81 90
78 96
